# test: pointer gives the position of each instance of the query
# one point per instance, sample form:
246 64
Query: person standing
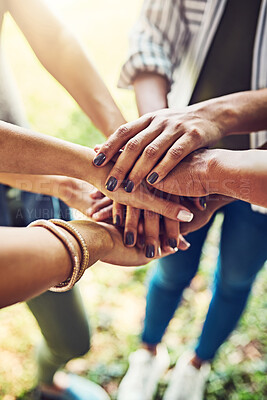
184 52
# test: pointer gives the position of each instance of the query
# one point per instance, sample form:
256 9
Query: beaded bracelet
70 282
82 243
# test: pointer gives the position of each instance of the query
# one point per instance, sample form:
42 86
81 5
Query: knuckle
130 226
176 152
195 135
168 209
151 151
133 145
117 170
122 131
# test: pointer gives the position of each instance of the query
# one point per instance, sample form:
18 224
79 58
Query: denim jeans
243 251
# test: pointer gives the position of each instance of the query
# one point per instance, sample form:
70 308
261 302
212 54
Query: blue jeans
243 251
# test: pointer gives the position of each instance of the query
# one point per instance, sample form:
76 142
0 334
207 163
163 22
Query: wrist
219 111
97 237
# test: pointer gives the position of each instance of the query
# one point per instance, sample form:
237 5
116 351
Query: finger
151 154
200 203
141 232
171 235
96 194
97 147
98 205
128 157
118 213
118 139
131 224
146 200
151 225
183 243
103 214
180 149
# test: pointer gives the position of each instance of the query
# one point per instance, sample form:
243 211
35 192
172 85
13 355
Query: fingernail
172 243
203 202
153 177
129 186
129 238
185 242
111 183
185 216
150 251
117 221
89 211
99 159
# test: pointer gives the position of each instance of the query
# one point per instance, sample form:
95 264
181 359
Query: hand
83 197
202 216
191 178
119 254
151 232
166 133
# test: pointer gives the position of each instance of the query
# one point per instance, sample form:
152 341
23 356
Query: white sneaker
187 382
145 370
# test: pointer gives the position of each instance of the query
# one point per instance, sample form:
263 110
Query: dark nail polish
150 251
172 243
117 220
99 159
129 238
153 177
111 183
129 186
203 203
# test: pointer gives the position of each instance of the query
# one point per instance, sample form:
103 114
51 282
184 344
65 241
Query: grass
115 297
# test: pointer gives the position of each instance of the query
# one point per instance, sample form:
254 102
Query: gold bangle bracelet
82 243
69 282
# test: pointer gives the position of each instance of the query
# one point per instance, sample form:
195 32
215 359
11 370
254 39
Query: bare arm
151 92
21 254
64 57
173 134
238 174
27 152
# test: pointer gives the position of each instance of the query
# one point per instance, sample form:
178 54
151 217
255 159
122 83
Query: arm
238 174
63 56
27 152
173 134
21 253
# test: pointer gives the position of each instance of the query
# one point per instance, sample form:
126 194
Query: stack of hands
163 152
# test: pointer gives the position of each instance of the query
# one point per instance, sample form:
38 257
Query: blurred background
114 296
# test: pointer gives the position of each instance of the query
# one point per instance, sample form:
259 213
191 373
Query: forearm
22 253
240 174
26 152
151 92
242 112
63 56
86 86
50 185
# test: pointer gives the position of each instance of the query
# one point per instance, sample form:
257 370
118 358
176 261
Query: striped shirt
172 38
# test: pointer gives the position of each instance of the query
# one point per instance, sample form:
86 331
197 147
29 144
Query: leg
242 254
171 276
64 325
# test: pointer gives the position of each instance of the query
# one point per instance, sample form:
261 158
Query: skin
57 157
17 281
60 52
160 140
174 134
238 174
